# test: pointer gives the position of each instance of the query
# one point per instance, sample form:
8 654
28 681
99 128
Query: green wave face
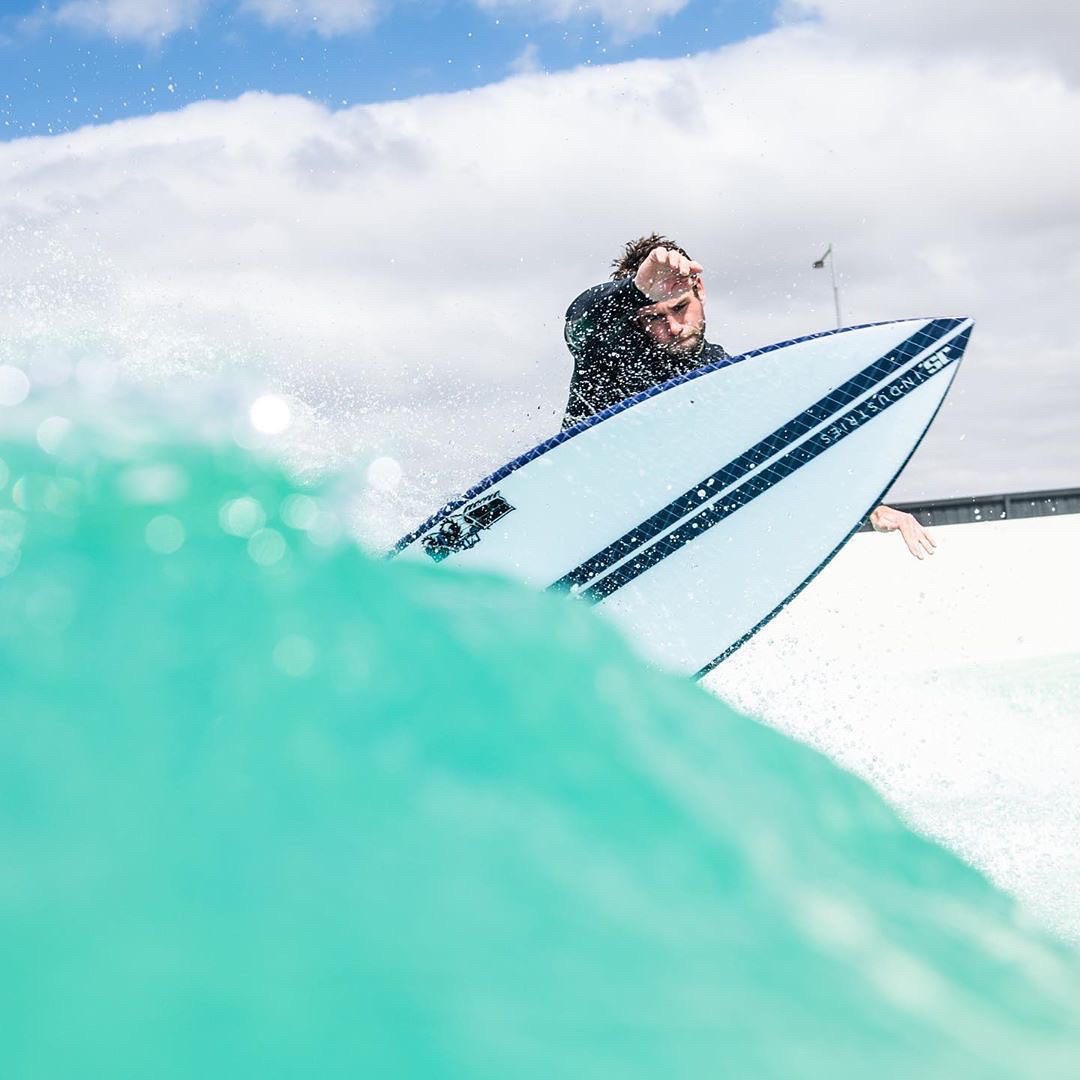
270 808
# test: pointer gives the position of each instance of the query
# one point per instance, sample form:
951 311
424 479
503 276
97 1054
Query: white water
952 685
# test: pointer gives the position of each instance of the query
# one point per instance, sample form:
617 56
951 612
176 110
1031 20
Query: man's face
676 326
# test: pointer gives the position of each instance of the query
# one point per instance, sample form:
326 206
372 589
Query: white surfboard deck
692 513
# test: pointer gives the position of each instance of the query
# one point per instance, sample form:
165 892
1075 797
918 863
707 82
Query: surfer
647 325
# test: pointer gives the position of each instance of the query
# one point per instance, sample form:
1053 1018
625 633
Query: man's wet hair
637 251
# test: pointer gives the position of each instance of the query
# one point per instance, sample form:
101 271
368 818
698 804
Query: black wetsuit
613 357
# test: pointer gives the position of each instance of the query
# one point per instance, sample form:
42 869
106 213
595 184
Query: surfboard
692 513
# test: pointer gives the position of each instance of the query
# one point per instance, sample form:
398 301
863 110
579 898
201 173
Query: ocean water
272 807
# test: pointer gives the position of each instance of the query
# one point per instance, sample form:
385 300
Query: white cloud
403 268
1013 33
627 18
130 20
148 22
327 18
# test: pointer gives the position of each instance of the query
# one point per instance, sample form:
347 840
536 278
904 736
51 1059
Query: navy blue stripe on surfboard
887 395
760 482
746 463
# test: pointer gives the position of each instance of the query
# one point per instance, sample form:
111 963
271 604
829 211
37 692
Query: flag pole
819 264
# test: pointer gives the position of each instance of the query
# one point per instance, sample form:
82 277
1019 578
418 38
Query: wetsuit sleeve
598 329
598 318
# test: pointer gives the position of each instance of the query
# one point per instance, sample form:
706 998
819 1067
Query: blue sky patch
78 62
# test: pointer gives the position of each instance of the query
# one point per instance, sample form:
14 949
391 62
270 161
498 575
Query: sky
92 61
383 208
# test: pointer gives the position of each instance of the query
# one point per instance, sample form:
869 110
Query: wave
273 807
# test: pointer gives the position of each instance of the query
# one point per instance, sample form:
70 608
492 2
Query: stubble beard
685 347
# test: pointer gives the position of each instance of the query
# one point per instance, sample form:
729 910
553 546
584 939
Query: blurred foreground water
270 807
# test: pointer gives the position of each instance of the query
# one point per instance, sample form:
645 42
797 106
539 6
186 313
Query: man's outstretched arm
919 542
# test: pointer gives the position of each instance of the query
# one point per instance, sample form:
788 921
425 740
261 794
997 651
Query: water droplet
165 534
384 474
12 528
242 517
267 547
52 432
299 511
270 414
14 385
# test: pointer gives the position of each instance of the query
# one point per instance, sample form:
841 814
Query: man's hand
919 541
666 274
